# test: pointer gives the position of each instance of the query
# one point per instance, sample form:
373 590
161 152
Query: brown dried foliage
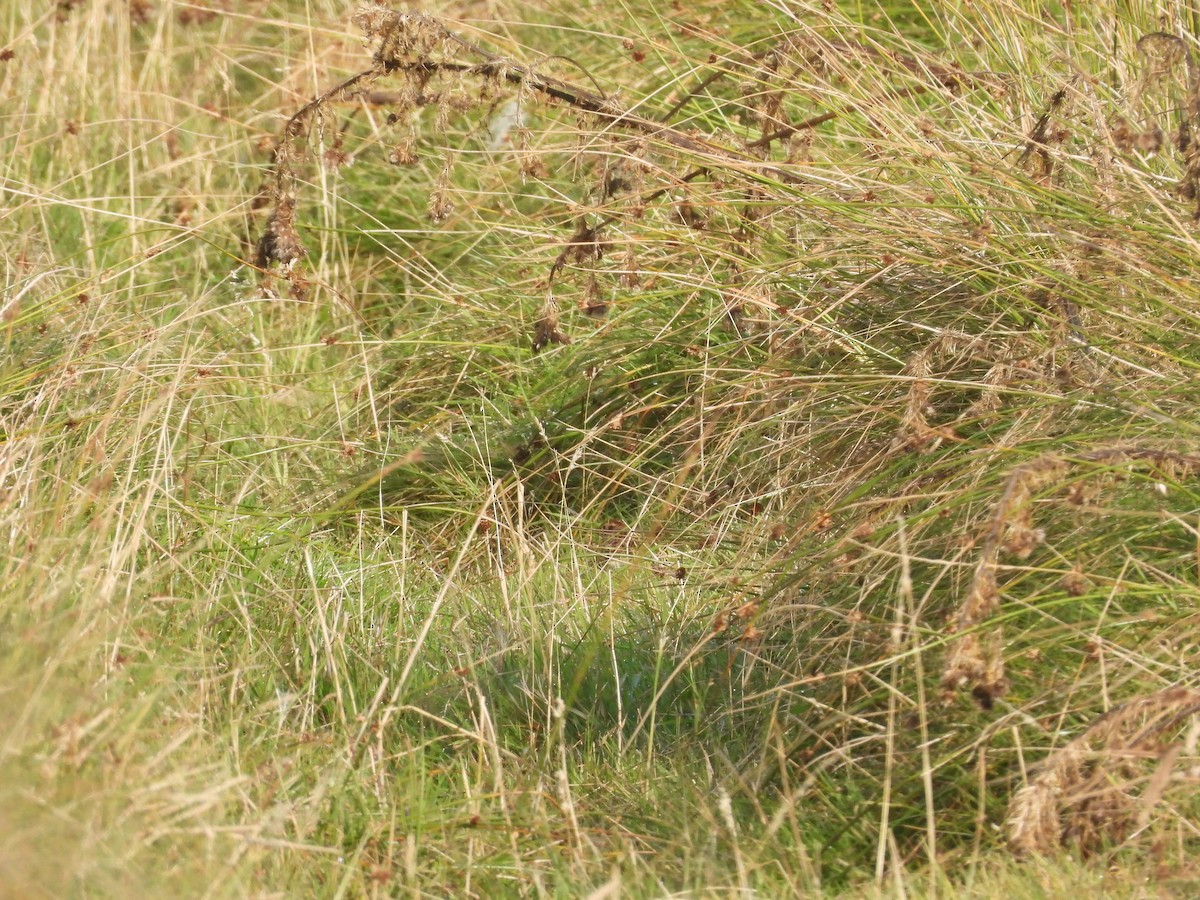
415 48
280 242
1046 134
1164 54
420 52
975 660
1083 793
915 431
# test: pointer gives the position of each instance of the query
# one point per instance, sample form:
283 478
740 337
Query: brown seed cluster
1085 793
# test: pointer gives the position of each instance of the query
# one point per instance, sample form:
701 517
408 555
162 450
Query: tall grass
712 448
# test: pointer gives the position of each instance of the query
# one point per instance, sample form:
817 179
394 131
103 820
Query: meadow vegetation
599 449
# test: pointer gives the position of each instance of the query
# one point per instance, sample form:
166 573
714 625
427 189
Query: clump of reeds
915 431
975 660
1084 792
432 64
426 64
1165 54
